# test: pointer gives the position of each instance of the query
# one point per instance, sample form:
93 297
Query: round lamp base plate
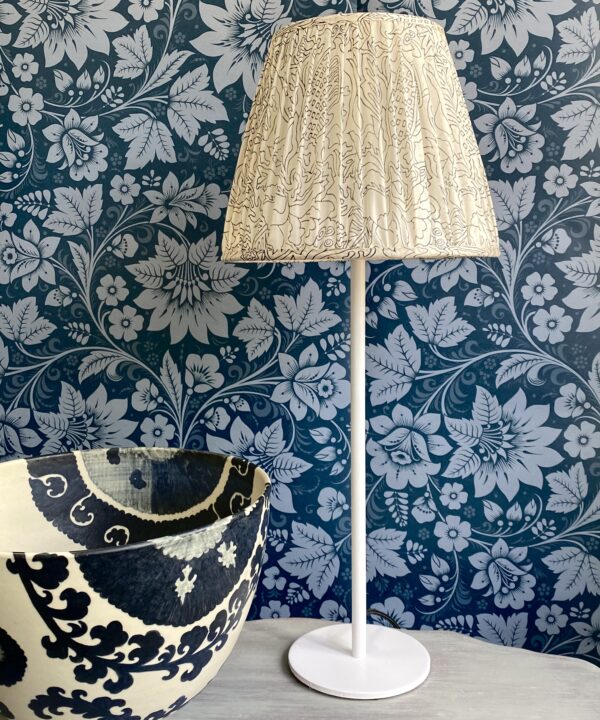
395 663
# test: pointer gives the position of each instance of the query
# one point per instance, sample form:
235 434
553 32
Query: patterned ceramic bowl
125 578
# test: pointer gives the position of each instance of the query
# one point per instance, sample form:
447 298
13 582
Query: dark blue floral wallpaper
119 130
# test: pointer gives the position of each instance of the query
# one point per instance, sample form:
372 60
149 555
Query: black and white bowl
125 578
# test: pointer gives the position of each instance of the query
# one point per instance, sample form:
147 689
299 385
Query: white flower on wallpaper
498 21
502 445
511 136
504 573
181 203
146 10
239 36
322 388
16 438
187 290
395 609
85 422
27 258
72 28
405 450
120 126
26 107
76 145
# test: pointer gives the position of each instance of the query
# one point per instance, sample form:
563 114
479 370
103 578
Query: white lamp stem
358 452
394 662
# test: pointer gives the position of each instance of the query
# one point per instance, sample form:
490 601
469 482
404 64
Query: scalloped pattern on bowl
125 578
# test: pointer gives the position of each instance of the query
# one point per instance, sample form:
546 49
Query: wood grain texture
470 680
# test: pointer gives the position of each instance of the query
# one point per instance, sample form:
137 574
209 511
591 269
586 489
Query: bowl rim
78 552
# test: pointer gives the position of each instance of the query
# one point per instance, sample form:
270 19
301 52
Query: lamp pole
362 661
358 382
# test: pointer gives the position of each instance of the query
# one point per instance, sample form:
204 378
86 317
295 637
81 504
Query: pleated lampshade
359 144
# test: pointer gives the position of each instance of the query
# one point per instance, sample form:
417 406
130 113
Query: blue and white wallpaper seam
120 125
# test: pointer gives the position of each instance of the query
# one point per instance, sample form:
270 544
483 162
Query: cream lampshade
359 145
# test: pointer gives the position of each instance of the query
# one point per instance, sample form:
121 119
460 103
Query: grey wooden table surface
470 680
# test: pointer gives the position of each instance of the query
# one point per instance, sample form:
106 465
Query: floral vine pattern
119 326
114 657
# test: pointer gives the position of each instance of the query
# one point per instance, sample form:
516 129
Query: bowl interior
86 500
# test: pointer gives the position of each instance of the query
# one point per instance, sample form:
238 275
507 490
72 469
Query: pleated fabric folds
359 144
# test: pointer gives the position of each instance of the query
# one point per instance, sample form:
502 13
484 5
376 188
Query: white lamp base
394 663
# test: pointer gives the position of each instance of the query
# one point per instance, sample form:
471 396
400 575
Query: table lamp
359 146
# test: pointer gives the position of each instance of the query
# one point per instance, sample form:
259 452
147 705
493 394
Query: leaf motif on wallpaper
171 379
81 258
314 558
508 260
321 435
512 201
569 489
8 160
33 31
99 361
148 272
438 324
36 203
580 36
190 104
148 139
509 631
387 309
393 367
382 556
499 333
225 276
471 16
592 188
257 330
499 68
62 80
582 119
306 313
403 292
518 365
76 210
581 271
594 375
492 511
463 463
584 272
486 408
167 68
4 359
287 467
464 432
16 143
578 571
592 514
52 425
70 403
135 53
21 322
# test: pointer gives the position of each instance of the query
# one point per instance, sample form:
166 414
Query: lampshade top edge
356 17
